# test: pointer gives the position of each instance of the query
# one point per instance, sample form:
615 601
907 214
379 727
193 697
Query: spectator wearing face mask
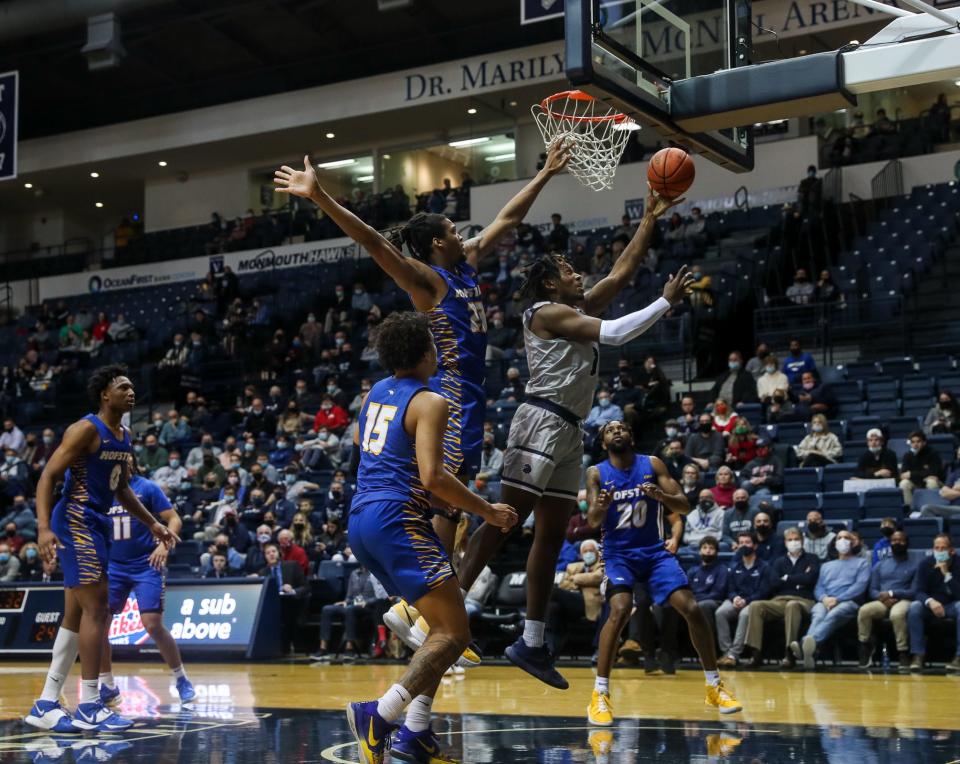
817 537
45 448
687 420
152 455
763 475
302 532
357 403
756 364
263 474
737 384
840 590
815 398
175 430
22 518
323 451
801 291
259 423
195 457
282 455
881 549
820 447
739 518
937 587
577 596
31 566
296 486
255 559
675 460
331 539
12 437
12 538
742 444
943 418
877 461
921 467
708 580
578 529
690 483
311 331
221 544
792 579
172 475
9 563
235 529
671 432
655 388
707 446
331 416
724 488
797 362
746 582
769 544
14 474
706 519
515 388
772 382
605 411
491 459
890 594
724 418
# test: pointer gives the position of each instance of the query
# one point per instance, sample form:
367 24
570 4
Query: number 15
378 422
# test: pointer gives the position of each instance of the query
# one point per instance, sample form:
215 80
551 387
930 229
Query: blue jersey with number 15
388 458
132 541
633 520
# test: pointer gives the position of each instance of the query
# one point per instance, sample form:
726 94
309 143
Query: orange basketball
671 172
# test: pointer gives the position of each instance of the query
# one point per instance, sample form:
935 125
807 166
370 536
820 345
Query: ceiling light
364 179
162 163
957 83
331 135
468 142
502 158
337 163
513 103
28 185
471 110
386 156
94 175
98 205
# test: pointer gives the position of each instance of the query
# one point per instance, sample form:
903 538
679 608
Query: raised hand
603 500
558 155
166 536
656 205
677 287
303 183
652 490
503 516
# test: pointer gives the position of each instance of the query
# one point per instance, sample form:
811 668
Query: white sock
418 713
179 673
65 648
108 680
602 685
391 705
89 691
533 633
713 677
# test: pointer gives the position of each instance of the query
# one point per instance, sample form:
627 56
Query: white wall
168 203
917 171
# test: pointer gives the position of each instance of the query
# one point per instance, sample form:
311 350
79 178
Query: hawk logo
527 469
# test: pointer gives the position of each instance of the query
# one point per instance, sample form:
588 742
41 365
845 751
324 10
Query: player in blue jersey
400 439
93 460
627 494
137 564
440 278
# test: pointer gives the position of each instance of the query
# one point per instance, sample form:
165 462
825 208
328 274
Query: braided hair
543 268
418 233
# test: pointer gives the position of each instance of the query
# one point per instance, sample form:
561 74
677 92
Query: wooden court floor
293 712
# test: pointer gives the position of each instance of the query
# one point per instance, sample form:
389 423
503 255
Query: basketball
671 172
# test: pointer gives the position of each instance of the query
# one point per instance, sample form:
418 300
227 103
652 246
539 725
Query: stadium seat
796 505
883 502
944 445
917 386
801 480
881 388
857 427
848 392
897 367
861 370
884 409
838 503
791 432
834 475
901 426
921 531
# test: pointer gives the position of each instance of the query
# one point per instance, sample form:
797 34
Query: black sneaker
904 662
666 662
536 661
866 655
953 666
321 656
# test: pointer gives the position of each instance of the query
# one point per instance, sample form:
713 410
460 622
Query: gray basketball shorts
544 454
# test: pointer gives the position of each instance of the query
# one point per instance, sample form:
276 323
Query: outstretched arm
418 280
558 155
606 290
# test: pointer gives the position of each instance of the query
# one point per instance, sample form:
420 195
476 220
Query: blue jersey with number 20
633 520
133 542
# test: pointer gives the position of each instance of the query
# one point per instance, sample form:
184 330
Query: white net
597 134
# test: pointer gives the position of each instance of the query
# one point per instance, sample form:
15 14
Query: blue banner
9 92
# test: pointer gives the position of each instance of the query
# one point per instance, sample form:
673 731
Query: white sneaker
400 619
50 715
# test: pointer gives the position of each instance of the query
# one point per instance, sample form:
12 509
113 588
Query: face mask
152 448
734 365
898 550
697 275
31 554
740 430
186 486
603 402
706 506
720 409
311 319
233 480
944 404
914 451
289 479
747 551
771 369
742 506
589 558
263 465
815 526
298 447
809 385
943 556
211 484
323 436
584 506
887 531
875 449
816 427
249 447
794 546
705 427
299 524
843 546
11 459
671 432
263 538
257 501
762 530
4 558
174 463
47 440
708 559
281 445
795 351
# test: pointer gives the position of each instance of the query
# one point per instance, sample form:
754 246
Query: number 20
378 422
630 513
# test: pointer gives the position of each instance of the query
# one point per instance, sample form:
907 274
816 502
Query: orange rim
579 95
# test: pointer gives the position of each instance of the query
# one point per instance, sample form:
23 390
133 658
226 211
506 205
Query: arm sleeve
620 331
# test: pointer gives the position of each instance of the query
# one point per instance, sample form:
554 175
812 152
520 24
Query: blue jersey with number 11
633 520
133 543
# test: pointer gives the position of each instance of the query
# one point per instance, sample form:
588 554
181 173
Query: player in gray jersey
543 460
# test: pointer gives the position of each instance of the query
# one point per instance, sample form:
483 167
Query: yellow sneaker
722 745
468 659
400 619
601 741
600 710
721 698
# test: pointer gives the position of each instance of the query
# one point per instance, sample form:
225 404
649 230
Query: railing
827 324
888 182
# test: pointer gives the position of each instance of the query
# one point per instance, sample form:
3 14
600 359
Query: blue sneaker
419 747
96 716
370 730
536 661
50 715
185 690
109 698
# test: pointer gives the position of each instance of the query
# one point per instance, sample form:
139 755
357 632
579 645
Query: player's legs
47 712
551 516
600 710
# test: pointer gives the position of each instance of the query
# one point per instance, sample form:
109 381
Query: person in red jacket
331 416
578 529
291 551
724 489
742 444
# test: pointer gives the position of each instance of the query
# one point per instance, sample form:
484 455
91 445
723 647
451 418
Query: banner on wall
9 96
330 251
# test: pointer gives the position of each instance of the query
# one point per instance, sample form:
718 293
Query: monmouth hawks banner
328 252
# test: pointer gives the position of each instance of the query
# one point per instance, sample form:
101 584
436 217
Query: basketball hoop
597 134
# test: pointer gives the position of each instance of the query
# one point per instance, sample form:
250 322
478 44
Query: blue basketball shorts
140 578
399 546
84 536
463 438
653 566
